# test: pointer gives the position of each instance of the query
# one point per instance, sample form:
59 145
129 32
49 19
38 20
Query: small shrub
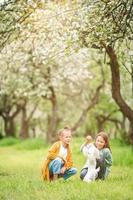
9 141
31 144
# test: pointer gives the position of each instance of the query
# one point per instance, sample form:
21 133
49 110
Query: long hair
105 138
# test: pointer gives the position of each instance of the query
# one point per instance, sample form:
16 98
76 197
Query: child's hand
88 139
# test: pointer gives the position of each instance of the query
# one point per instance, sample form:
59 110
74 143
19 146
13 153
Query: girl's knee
55 166
57 162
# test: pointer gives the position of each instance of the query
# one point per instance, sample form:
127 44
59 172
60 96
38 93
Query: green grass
9 141
20 174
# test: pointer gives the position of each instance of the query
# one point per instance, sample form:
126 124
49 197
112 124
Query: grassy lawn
20 174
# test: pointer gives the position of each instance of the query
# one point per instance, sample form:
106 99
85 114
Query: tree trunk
116 93
130 133
8 117
94 100
53 119
100 123
9 127
24 132
25 120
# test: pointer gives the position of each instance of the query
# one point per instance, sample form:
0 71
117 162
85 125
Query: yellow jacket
52 154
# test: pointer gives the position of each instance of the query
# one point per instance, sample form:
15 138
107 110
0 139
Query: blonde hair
66 128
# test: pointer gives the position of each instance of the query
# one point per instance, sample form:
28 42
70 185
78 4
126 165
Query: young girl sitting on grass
59 159
105 161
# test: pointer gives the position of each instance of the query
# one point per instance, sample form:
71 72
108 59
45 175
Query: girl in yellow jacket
59 159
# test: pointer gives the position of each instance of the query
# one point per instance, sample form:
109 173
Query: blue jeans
55 168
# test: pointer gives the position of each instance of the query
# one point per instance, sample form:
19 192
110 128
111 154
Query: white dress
91 153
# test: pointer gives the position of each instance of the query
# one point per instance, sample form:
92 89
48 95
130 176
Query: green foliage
122 156
12 15
43 56
9 141
32 144
29 144
105 21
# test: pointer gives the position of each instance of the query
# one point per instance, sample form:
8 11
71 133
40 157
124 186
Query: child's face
66 137
100 142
